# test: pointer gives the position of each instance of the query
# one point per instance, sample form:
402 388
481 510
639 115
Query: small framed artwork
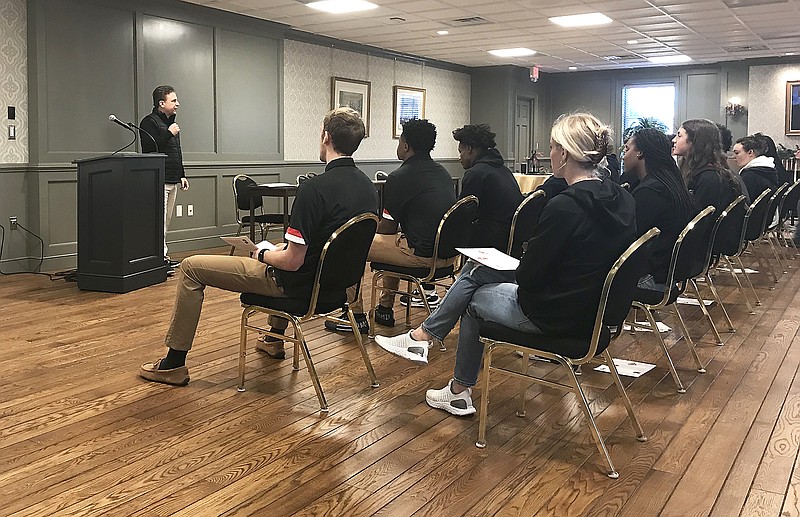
351 93
793 107
408 103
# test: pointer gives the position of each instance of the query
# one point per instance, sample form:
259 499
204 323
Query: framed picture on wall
408 103
793 107
351 93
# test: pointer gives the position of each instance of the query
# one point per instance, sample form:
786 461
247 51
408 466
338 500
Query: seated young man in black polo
416 196
321 206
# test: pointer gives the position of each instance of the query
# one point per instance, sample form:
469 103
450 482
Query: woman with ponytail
662 199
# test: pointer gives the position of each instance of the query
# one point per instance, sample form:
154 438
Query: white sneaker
455 404
405 346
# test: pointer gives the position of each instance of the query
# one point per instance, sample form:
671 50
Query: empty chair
241 199
524 221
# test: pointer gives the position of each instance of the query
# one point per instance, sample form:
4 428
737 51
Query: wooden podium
121 222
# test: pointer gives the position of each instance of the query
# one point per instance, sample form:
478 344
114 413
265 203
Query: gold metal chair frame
536 194
779 233
415 282
591 357
300 344
670 283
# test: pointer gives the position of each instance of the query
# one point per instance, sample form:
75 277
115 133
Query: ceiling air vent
467 22
745 48
752 3
623 58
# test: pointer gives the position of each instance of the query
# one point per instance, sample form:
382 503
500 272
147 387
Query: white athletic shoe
455 404
405 346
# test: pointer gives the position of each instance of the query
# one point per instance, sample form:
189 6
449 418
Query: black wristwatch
261 254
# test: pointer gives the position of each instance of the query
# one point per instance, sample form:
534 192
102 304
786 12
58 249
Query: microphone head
112 118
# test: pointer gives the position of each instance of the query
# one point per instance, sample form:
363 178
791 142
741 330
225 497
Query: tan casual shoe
271 346
176 376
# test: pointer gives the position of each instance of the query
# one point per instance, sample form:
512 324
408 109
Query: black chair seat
572 347
295 306
653 297
419 272
264 219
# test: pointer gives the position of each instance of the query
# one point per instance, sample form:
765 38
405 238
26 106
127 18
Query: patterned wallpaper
307 85
767 93
14 79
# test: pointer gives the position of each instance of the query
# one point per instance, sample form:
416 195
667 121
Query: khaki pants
389 250
170 195
237 274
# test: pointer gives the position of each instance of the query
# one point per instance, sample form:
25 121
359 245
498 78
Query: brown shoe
271 346
176 376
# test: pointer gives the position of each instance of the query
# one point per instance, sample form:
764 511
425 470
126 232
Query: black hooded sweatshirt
580 234
758 179
498 198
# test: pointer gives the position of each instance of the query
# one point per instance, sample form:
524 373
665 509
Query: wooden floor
81 434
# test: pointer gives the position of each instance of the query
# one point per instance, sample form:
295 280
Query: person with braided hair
662 199
581 232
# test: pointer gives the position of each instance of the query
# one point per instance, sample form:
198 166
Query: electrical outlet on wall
178 210
189 210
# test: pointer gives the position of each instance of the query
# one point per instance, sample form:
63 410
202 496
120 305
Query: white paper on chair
628 368
491 257
277 185
644 326
693 301
739 271
243 242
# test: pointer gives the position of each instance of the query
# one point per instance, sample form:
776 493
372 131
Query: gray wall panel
181 54
703 96
88 73
62 214
247 87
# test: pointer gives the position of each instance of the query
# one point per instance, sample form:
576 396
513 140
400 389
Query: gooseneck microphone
131 124
113 118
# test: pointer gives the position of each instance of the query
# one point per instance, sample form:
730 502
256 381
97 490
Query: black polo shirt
416 196
323 203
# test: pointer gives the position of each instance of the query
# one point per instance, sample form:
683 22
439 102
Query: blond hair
583 137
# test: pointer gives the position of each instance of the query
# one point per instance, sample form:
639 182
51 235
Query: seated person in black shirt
321 206
662 199
488 179
416 196
756 169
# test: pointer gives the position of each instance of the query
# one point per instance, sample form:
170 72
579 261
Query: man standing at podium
164 136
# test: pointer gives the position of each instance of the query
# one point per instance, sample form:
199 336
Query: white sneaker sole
450 409
386 344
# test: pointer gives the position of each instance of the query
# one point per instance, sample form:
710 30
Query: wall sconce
734 108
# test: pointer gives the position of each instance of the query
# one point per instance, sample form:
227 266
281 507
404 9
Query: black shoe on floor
384 316
361 323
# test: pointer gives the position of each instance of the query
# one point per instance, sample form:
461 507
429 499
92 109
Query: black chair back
455 227
726 238
343 258
689 253
381 176
775 201
240 185
758 216
790 200
525 219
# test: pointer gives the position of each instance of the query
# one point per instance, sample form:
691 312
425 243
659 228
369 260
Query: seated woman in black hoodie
580 234
662 199
756 169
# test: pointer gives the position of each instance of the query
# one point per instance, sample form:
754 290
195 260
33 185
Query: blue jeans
497 303
455 302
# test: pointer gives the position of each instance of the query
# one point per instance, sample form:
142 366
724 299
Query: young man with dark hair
321 206
164 136
756 170
488 179
415 197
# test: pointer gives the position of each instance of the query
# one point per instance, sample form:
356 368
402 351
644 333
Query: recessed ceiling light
442 33
668 60
633 41
512 52
342 6
581 20
791 53
573 68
